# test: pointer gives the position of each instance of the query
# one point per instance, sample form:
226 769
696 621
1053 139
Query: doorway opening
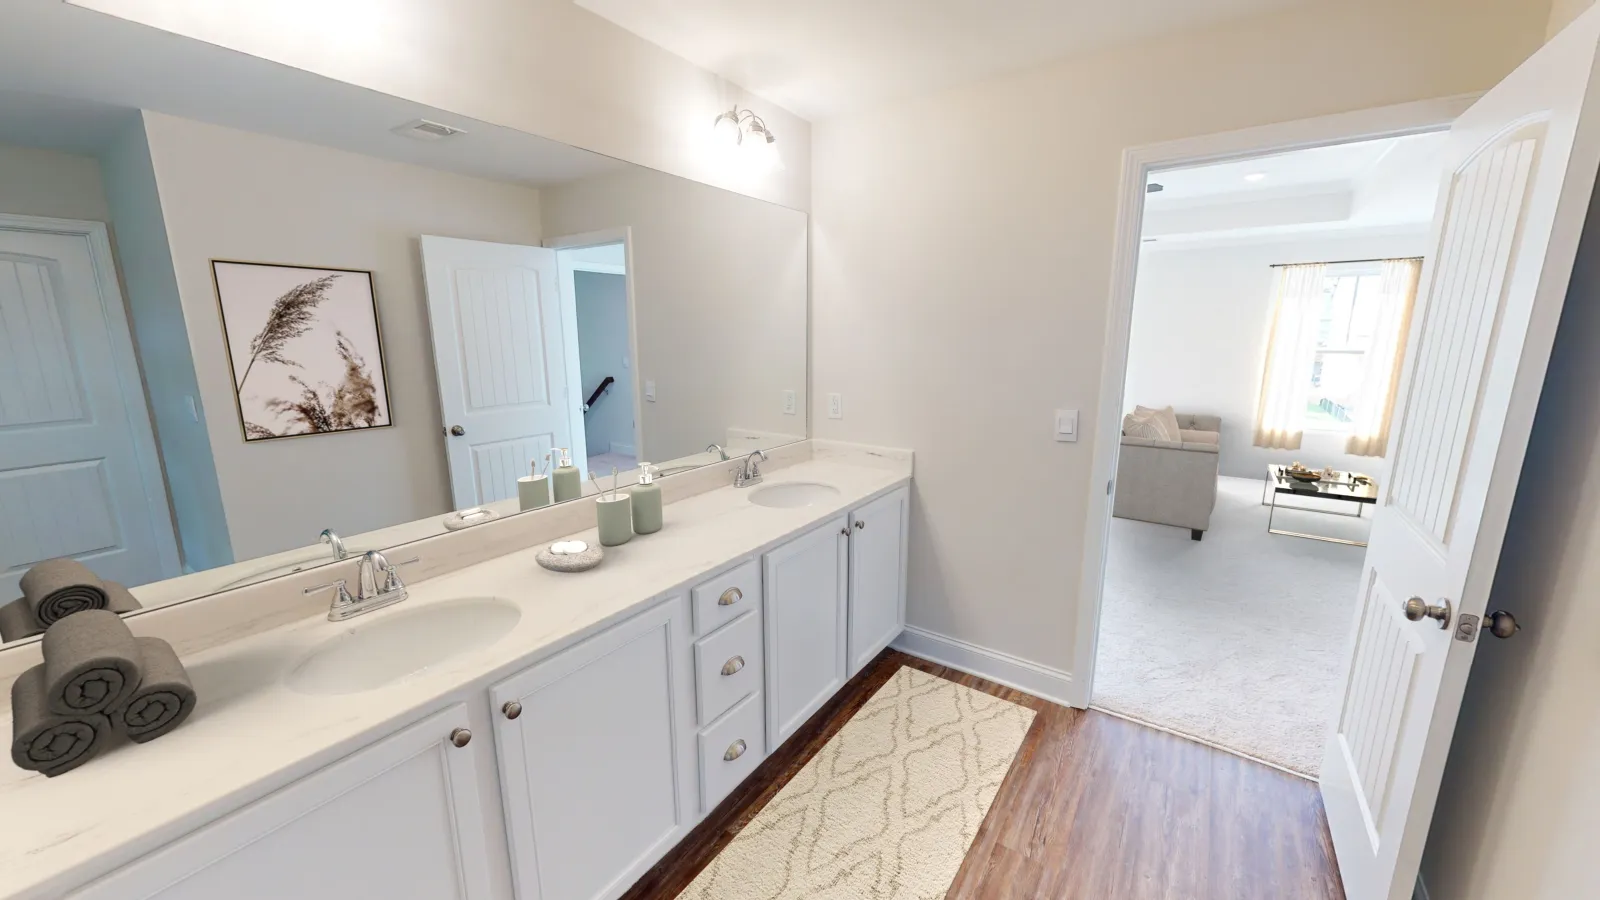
594 280
1271 306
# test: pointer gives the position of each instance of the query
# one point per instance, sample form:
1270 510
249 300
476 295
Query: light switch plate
650 390
788 403
835 406
1067 425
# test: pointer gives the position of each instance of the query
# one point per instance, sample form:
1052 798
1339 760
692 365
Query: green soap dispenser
566 481
647 501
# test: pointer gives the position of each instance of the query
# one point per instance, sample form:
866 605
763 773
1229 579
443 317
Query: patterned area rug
886 809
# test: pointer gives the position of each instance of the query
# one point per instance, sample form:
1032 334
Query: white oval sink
368 656
792 494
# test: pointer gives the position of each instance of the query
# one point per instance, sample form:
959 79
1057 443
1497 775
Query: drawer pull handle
460 737
732 666
730 597
735 750
512 709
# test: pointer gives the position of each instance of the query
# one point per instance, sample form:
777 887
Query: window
1345 332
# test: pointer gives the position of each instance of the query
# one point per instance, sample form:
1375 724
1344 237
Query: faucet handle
341 595
391 579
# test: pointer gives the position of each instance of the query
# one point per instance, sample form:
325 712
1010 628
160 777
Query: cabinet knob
730 597
512 709
860 525
460 737
735 750
732 666
845 531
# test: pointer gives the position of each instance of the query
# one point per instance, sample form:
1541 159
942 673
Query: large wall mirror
239 346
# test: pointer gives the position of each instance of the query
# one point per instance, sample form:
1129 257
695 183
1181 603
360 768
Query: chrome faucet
332 539
378 585
717 449
750 472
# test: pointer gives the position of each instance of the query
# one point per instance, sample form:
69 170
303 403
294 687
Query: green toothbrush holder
614 515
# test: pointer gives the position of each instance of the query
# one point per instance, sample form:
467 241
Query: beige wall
229 194
961 254
52 184
720 296
547 67
1519 808
1562 12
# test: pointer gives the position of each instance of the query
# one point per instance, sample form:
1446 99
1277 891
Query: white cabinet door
399 819
877 575
804 601
594 768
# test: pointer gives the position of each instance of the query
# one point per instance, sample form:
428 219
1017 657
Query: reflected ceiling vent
427 130
1154 187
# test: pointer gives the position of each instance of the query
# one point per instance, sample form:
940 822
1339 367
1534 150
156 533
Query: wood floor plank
1094 808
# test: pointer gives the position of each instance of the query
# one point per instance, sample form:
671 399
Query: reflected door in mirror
497 343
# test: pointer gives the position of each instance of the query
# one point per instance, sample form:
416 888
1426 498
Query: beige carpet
887 808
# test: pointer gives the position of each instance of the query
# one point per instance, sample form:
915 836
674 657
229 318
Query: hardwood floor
1094 808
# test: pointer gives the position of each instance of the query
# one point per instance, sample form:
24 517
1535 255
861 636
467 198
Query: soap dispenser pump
647 501
565 479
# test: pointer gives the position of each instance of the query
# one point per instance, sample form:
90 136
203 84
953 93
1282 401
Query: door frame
621 234
130 378
1419 117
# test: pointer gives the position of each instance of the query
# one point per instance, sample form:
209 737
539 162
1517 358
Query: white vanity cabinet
594 748
878 544
804 589
400 818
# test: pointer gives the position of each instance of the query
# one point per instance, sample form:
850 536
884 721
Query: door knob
457 431
1418 609
1501 624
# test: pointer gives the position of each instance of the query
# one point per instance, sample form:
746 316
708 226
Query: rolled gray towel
119 599
17 620
57 588
164 699
43 742
91 663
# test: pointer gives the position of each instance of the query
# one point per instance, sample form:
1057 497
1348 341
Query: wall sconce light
748 132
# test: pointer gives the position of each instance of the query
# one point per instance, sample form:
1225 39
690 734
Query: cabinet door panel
804 601
399 819
592 769
877 576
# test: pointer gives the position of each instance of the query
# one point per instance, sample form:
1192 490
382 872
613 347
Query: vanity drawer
741 735
728 666
722 599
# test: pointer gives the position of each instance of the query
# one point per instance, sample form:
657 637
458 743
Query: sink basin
793 494
369 656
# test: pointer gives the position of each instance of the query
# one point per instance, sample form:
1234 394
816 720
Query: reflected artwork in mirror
431 320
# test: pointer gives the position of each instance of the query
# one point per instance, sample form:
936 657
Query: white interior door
499 349
1521 169
79 475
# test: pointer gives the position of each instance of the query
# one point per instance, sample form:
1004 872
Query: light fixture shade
727 129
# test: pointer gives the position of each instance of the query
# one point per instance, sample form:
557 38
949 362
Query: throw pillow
1142 427
1165 419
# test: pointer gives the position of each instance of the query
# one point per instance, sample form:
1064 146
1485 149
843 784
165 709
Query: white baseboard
1001 668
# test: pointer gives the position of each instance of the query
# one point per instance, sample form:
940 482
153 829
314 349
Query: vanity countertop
251 734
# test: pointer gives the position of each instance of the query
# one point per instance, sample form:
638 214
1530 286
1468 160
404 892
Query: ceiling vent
1154 187
427 130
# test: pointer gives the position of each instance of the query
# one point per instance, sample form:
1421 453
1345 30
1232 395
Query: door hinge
1466 628
1108 486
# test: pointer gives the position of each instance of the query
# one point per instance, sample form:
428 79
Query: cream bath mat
886 809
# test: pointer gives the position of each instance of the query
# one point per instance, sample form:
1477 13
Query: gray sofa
1171 482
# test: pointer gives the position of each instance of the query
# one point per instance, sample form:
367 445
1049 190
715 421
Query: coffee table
1339 487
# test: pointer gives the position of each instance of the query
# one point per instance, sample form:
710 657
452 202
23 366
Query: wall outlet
788 403
650 390
835 406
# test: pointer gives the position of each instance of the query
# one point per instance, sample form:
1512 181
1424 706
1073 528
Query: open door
498 348
1521 168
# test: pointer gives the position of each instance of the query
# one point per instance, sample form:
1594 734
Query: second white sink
369 656
793 494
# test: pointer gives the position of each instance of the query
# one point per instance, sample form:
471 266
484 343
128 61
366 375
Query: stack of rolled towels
97 680
55 589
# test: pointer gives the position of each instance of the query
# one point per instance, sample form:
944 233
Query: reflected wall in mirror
529 297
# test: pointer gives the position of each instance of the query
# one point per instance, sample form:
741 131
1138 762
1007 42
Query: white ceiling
1389 184
69 78
820 58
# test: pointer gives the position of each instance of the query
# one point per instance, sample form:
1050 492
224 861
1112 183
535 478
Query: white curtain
1374 403
1291 356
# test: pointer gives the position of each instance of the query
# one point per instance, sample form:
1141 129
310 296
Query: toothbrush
595 480
614 482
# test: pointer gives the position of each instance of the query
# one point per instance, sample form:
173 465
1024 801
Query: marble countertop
251 734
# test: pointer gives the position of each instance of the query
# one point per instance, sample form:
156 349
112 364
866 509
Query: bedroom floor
1237 639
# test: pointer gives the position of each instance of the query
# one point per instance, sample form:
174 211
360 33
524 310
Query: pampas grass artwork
304 348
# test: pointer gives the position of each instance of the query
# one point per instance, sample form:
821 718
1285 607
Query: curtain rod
1342 262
